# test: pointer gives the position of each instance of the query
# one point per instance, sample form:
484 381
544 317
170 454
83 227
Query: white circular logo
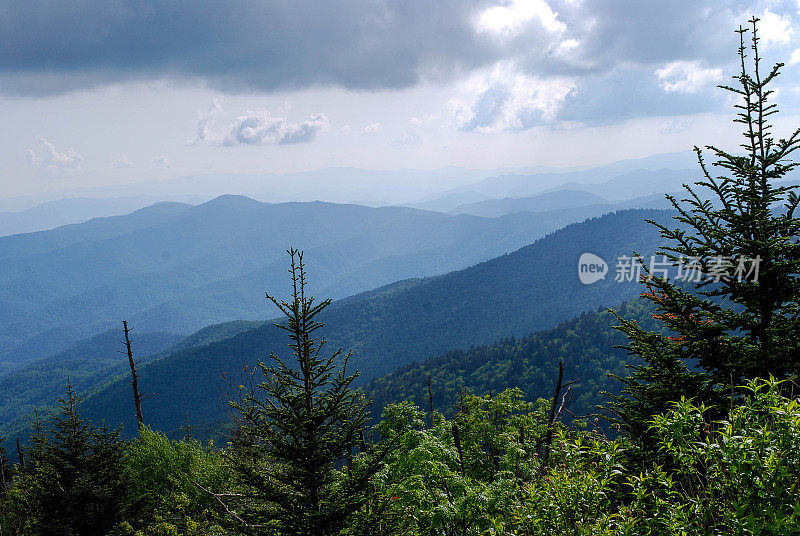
591 268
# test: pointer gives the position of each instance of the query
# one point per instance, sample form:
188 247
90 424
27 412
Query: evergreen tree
737 316
71 484
298 428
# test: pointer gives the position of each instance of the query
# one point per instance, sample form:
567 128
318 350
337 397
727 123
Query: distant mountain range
556 200
172 268
176 267
418 188
531 289
635 189
76 210
659 168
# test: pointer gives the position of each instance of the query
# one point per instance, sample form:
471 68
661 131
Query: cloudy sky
96 92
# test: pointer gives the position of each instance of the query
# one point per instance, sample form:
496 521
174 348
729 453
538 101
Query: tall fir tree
72 481
737 316
299 429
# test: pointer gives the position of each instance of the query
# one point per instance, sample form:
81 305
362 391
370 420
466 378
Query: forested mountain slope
88 364
585 344
534 288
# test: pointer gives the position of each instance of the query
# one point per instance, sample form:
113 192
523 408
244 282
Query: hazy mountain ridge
195 266
555 200
73 210
524 185
28 244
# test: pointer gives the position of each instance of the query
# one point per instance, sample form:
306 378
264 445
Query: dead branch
228 511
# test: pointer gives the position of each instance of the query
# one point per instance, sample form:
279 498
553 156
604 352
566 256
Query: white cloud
205 122
795 59
687 77
509 19
505 99
122 162
371 128
161 161
568 44
775 29
257 127
54 159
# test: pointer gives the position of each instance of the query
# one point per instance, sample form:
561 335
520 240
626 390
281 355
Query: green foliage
161 480
739 320
479 473
454 476
733 476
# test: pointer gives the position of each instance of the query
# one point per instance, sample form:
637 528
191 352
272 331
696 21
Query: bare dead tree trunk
548 440
137 398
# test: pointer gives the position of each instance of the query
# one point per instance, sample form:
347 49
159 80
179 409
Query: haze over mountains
172 268
635 189
440 190
177 268
75 210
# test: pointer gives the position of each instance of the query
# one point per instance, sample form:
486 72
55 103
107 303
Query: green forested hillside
585 345
529 290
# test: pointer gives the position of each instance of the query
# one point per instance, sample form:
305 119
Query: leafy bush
482 472
161 476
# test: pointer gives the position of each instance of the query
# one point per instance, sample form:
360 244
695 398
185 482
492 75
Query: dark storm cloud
53 46
624 94
240 44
